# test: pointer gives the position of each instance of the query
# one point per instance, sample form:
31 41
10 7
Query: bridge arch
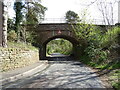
44 44
46 32
49 31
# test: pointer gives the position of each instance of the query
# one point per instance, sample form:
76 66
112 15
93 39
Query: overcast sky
58 8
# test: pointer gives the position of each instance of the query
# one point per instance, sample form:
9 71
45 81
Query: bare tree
106 9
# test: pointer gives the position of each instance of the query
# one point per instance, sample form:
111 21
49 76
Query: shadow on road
59 57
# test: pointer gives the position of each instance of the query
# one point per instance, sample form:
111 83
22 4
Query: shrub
96 54
100 44
12 36
110 38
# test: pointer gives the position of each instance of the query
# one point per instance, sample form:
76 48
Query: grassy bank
21 45
110 69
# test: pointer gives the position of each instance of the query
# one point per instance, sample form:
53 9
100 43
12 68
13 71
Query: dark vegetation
101 48
71 17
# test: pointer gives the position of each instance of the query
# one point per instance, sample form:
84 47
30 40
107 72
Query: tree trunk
5 17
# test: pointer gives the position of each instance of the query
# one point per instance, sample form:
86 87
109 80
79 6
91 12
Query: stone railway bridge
49 31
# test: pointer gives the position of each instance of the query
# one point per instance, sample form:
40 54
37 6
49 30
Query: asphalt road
61 74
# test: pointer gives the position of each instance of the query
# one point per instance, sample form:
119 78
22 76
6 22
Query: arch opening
59 47
43 48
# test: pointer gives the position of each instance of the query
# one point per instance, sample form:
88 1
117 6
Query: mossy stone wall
11 58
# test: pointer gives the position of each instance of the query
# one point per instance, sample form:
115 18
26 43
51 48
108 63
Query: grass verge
112 68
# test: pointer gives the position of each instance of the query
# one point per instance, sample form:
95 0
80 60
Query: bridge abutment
42 52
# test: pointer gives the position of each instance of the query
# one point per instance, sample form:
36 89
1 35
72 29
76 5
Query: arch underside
43 47
71 39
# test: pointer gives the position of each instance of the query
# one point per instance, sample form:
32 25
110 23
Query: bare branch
92 3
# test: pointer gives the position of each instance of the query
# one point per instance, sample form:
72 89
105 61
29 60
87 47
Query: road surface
61 74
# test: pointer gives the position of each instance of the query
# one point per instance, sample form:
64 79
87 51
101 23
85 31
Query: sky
58 8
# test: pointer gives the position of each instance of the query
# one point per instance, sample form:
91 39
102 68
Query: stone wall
11 58
1 23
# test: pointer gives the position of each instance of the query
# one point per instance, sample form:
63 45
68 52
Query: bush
12 36
96 54
100 45
110 38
